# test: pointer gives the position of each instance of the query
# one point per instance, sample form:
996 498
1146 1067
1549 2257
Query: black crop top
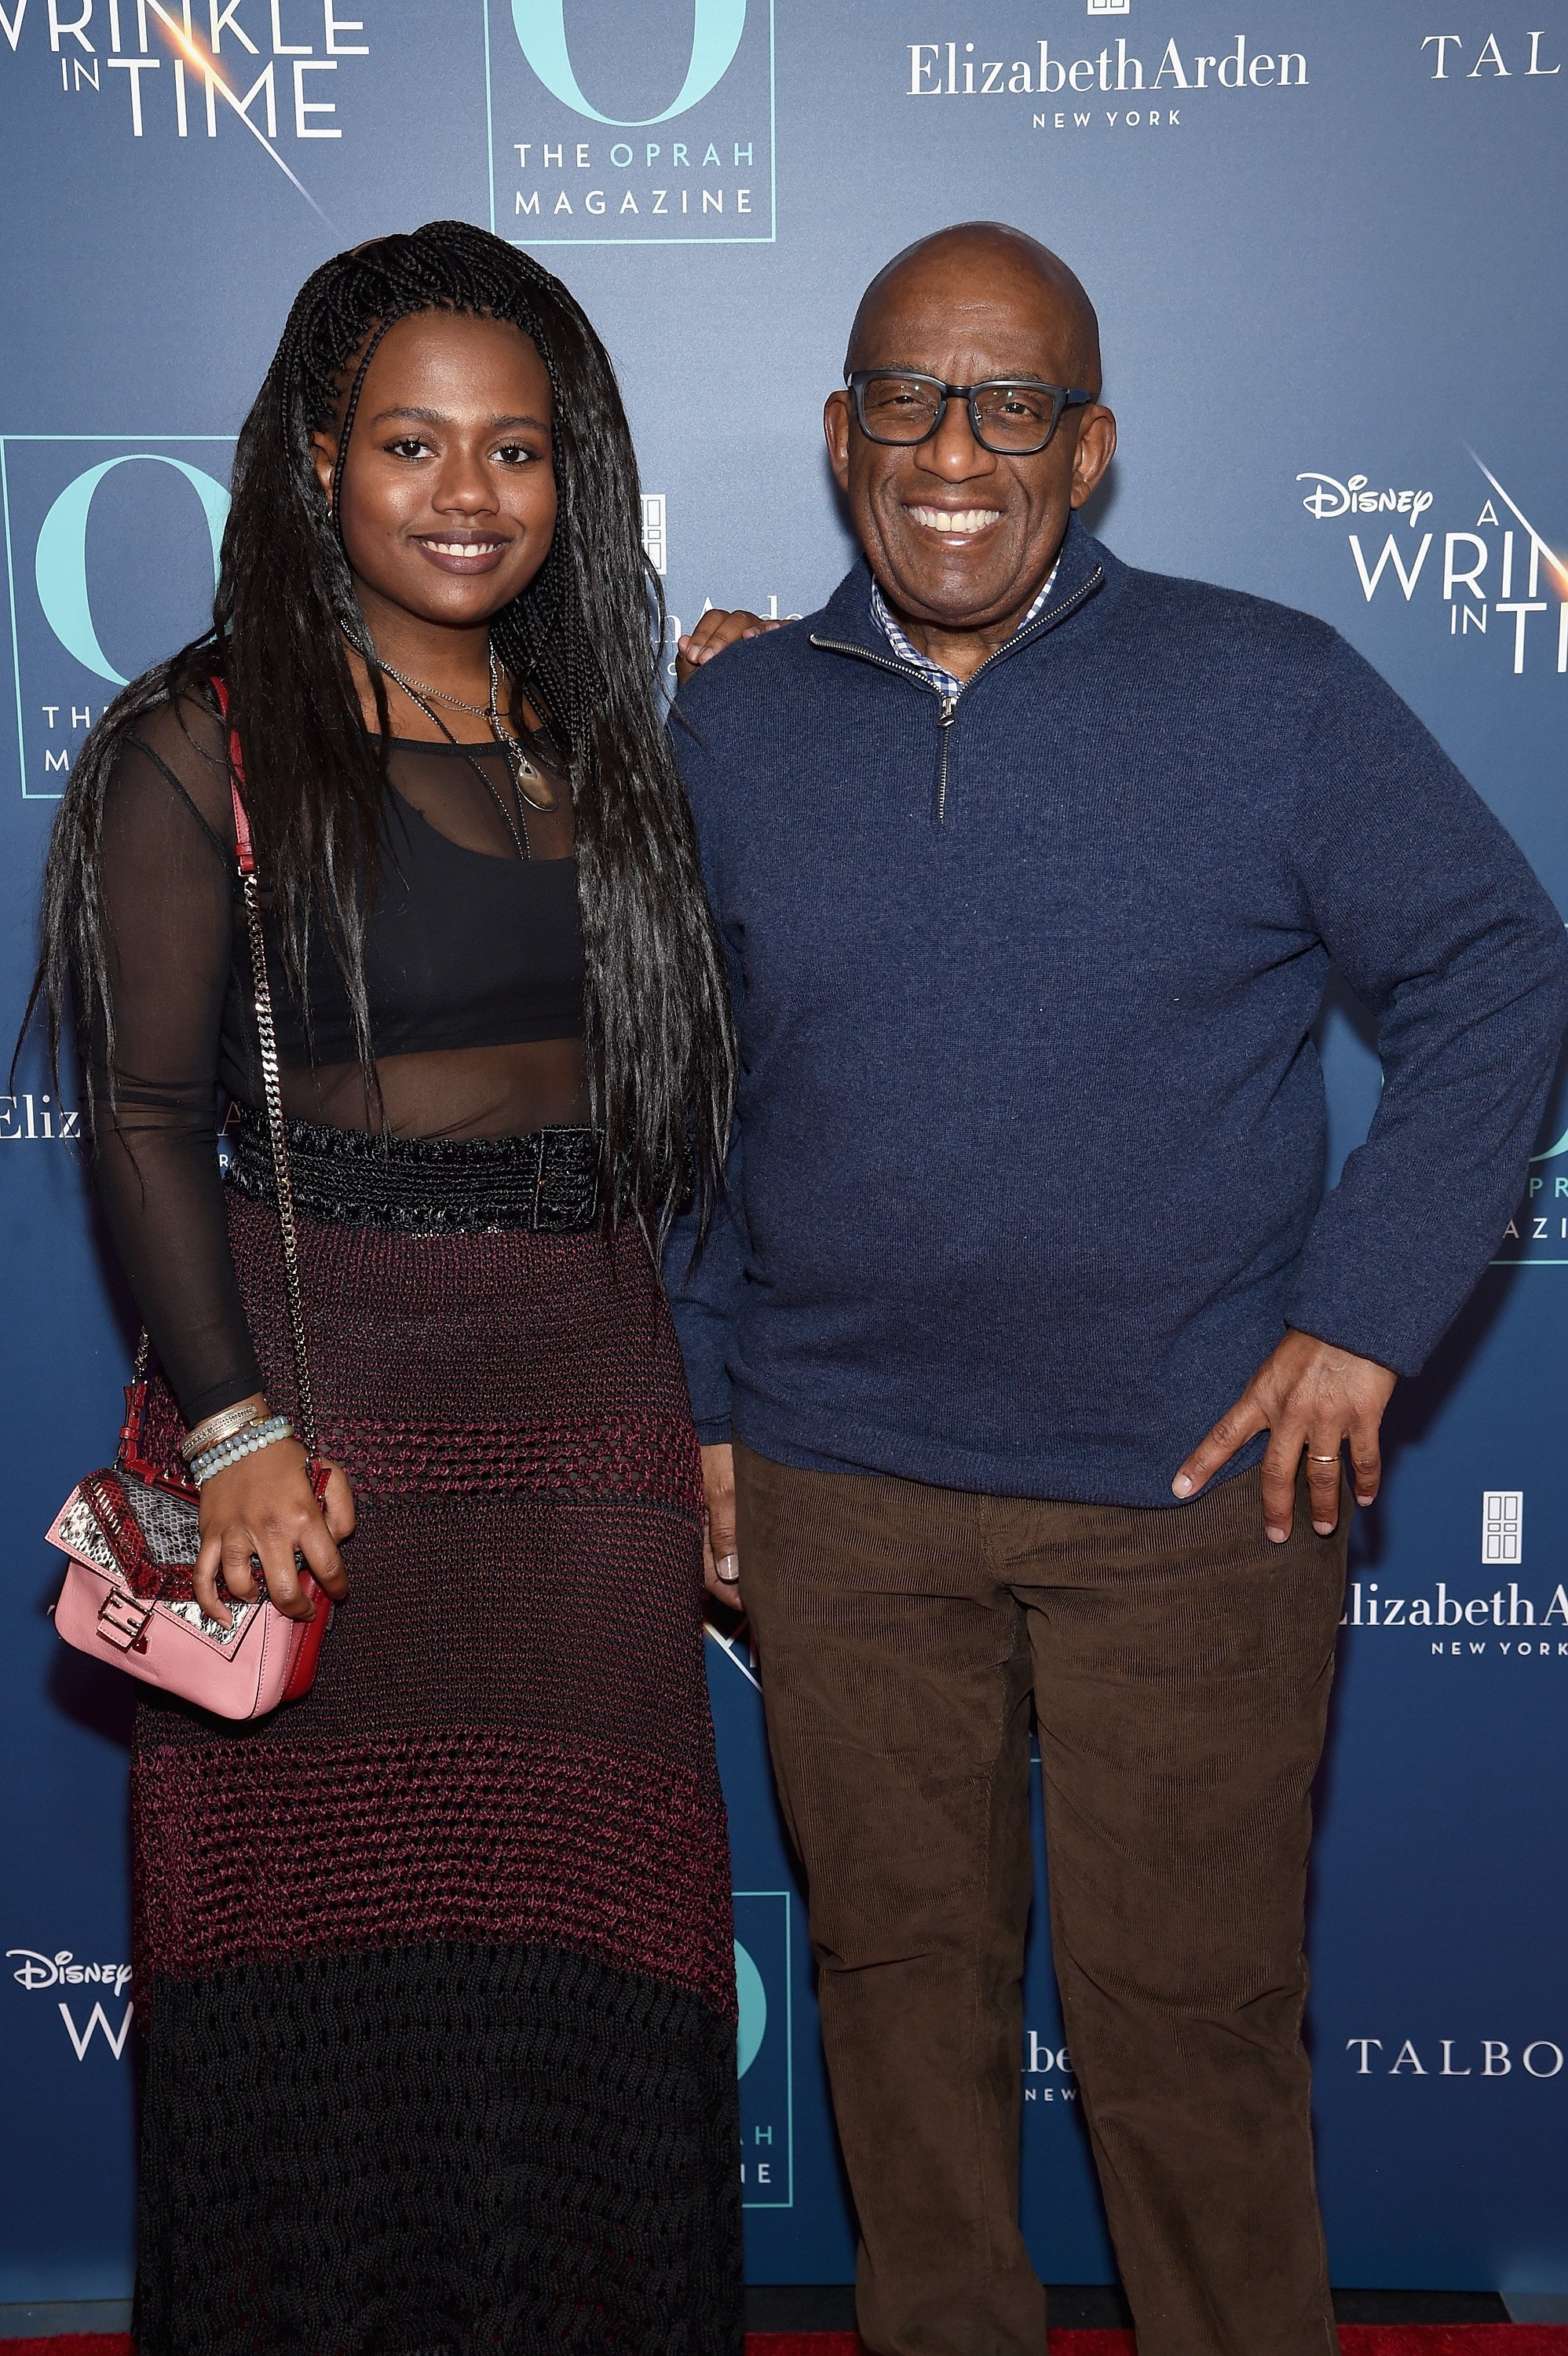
474 970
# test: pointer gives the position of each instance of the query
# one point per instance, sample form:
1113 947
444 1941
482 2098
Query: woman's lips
453 554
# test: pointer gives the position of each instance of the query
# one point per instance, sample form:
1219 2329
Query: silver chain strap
272 1083
267 1041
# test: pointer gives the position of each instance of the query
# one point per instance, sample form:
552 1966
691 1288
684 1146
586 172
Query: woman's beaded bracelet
243 1443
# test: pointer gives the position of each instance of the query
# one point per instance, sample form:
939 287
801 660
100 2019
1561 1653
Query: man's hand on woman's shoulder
717 629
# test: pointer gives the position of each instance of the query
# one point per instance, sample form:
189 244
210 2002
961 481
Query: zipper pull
944 723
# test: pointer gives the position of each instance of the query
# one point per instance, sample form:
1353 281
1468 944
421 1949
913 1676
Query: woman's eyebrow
439 417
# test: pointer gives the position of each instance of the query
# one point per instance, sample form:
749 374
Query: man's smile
953 523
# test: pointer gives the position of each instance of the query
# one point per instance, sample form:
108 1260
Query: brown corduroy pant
1179 1667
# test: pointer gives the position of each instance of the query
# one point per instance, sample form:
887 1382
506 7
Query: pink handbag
132 1532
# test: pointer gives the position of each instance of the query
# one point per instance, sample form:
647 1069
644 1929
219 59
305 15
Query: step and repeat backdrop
1326 244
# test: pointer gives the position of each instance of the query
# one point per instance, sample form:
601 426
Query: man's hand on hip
720 1563
1306 1395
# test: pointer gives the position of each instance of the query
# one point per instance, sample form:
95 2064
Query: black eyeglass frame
1064 396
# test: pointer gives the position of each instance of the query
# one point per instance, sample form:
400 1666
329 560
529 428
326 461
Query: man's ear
1092 453
836 426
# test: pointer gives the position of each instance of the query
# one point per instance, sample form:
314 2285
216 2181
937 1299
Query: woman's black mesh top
474 963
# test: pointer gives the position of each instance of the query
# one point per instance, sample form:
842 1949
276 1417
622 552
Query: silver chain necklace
517 762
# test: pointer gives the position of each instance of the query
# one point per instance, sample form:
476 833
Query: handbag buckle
122 1621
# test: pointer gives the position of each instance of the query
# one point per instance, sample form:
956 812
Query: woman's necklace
517 763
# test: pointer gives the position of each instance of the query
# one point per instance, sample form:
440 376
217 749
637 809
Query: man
1031 867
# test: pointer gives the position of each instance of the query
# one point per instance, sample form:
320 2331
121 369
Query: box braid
582 641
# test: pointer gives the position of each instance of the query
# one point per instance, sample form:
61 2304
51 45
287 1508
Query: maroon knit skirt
436 1963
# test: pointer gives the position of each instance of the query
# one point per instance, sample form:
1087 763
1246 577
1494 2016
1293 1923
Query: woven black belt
547 1182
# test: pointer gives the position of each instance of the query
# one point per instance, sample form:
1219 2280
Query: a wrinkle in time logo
1481 572
630 126
259 73
1473 571
97 2006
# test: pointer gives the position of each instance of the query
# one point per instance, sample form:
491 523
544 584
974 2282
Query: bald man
1029 1353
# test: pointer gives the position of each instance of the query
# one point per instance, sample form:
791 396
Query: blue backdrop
1325 243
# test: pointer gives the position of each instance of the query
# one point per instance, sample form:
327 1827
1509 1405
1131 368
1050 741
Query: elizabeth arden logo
1509 1623
1157 84
655 542
600 139
1048 2073
1502 1526
32 1119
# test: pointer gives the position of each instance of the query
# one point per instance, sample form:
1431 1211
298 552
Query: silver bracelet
243 1443
224 1425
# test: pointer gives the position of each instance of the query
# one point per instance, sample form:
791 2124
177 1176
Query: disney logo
1328 497
36 1971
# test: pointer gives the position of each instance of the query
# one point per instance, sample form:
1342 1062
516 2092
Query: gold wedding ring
1313 1458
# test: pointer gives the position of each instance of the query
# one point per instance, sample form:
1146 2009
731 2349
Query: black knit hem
506 2149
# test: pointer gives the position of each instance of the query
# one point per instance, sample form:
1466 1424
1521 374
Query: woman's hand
264 1508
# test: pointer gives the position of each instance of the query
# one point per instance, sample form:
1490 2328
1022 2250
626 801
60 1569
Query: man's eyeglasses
1013 416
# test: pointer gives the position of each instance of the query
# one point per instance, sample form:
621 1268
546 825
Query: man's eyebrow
998 376
439 417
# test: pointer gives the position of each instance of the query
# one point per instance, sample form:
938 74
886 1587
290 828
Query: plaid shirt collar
940 679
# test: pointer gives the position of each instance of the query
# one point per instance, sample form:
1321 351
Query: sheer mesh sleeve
170 914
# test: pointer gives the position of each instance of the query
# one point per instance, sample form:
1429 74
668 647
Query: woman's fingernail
728 1568
1278 1537
1183 1484
1324 1529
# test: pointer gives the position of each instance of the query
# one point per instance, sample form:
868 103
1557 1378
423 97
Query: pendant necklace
517 763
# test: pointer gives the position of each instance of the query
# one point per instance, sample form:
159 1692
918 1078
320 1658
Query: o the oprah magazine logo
110 545
639 123
765 2055
112 548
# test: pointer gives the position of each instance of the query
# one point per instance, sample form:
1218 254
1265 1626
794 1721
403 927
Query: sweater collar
1082 566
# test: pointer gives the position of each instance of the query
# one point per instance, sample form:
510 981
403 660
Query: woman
436 1964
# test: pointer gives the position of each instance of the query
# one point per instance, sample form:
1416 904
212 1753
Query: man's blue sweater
1029 1174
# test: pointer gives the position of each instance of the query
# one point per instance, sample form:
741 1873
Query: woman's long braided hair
583 641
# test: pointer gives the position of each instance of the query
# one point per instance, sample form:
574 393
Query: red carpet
1355 2338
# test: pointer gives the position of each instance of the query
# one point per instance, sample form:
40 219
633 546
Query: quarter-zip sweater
1029 1172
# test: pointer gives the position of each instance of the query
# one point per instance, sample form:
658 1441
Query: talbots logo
603 139
110 556
765 2057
